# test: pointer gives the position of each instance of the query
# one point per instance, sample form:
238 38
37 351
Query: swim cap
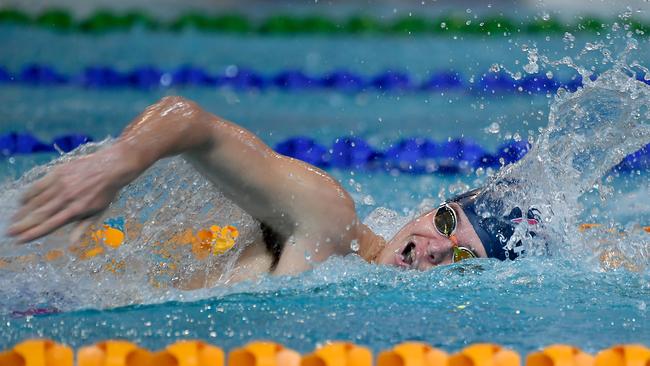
494 231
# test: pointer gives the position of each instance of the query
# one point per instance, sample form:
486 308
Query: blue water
525 304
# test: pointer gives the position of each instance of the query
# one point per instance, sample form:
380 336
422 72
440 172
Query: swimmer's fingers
35 202
37 188
36 217
59 219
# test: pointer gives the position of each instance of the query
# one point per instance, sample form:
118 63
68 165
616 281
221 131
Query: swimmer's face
418 245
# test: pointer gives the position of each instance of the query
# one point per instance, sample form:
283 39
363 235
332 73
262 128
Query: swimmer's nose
440 251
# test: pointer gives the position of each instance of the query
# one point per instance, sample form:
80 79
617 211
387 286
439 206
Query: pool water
527 304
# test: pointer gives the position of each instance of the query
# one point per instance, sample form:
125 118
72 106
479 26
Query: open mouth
408 254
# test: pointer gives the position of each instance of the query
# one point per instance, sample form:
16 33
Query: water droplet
568 37
354 245
493 128
368 200
531 68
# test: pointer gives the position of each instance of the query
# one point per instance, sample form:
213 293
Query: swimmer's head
495 230
420 244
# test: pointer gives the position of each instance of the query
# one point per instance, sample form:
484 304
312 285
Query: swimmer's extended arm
292 197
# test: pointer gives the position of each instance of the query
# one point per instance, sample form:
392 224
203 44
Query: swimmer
300 207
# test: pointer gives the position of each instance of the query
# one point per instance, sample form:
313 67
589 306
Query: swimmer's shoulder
326 230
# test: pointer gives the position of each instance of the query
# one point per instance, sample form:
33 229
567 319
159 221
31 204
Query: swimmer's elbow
171 100
189 121
178 108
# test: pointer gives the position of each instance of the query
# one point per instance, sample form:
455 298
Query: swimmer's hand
76 191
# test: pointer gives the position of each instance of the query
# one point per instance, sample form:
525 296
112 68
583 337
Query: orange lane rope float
265 353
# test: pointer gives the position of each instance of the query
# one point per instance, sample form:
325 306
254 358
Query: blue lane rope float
23 143
148 77
410 155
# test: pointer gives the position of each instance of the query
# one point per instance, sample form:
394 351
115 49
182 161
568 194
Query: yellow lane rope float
199 353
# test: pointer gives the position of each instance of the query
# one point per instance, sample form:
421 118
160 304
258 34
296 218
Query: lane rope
409 155
287 24
294 80
44 352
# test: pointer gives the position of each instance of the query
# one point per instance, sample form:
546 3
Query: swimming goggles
445 221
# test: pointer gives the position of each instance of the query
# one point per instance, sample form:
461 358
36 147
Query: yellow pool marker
92 244
53 255
113 353
624 355
485 354
560 355
38 352
412 354
263 354
189 353
111 236
587 226
339 354
217 240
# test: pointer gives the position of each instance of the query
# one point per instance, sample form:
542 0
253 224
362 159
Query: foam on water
589 132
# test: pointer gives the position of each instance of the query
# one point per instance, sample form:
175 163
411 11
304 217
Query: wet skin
295 199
